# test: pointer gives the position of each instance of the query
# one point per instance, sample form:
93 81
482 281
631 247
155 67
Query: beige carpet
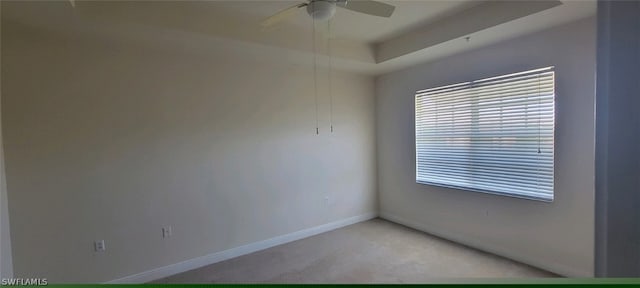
376 251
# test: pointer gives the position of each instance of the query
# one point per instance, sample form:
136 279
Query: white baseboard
194 263
552 267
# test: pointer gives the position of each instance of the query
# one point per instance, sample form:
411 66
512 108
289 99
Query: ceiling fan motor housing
321 10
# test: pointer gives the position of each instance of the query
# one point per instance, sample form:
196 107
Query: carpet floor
375 251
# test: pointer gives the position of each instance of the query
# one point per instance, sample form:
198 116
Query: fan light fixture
321 10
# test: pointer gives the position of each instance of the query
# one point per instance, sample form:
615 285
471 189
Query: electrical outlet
166 232
99 246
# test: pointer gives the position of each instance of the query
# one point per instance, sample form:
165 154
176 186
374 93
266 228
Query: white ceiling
405 39
357 26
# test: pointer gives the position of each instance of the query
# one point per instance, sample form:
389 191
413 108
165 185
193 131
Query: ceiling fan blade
370 7
282 15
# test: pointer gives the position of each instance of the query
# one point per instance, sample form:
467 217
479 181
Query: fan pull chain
315 75
330 78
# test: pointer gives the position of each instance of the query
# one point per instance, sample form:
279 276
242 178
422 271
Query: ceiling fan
324 9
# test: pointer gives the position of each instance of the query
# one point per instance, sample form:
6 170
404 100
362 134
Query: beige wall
6 261
556 236
6 265
106 140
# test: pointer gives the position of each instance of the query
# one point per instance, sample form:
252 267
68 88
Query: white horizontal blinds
493 135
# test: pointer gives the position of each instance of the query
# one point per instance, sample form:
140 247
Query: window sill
511 195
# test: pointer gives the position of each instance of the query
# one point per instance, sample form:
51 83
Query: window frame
488 191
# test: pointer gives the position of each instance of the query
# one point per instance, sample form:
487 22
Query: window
493 135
